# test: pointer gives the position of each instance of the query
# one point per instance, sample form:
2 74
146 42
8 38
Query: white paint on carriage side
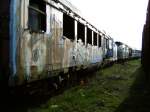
121 19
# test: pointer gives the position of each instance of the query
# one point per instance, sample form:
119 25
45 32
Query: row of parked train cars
49 38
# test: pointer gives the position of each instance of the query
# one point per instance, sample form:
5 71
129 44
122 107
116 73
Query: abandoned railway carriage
123 51
46 38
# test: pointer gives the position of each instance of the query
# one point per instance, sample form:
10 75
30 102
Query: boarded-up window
89 36
81 32
37 15
95 39
68 27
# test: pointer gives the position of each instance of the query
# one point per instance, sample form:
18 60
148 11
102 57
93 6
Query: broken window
68 26
81 32
100 40
37 15
95 39
89 36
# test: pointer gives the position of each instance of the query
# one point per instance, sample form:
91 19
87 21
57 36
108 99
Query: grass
103 92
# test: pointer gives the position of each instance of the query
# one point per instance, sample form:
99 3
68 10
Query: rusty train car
47 38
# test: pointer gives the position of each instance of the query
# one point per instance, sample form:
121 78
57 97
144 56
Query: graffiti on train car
38 51
49 39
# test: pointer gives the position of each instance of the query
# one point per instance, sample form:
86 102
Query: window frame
95 38
66 31
41 16
82 37
99 40
89 34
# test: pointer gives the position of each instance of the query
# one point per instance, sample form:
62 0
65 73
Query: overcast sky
121 19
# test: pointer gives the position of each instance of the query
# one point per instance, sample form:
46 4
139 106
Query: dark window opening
89 36
95 39
37 15
107 43
130 52
68 27
104 42
81 32
100 40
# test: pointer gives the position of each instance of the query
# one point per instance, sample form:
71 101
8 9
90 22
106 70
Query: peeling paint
38 55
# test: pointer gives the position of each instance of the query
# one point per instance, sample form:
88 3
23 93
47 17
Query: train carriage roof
118 43
69 5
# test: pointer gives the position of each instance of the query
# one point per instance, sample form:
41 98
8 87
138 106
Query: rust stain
39 54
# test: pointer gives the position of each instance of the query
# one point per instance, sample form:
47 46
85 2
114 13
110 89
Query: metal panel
36 55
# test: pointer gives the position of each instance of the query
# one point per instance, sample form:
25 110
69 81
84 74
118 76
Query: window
99 37
81 32
89 36
68 26
95 39
107 44
37 16
110 44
